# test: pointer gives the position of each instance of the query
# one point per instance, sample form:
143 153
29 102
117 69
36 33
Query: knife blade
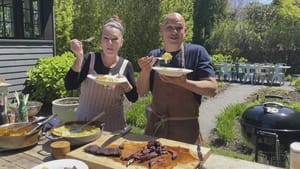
115 137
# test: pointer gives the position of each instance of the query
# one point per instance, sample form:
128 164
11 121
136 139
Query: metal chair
225 72
249 73
238 72
260 74
278 74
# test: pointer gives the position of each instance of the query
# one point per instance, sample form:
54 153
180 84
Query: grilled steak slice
97 150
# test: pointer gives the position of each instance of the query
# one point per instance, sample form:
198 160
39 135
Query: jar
295 155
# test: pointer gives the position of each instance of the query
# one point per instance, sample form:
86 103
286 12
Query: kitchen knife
200 156
115 137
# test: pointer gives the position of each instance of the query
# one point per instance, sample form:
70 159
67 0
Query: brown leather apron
174 114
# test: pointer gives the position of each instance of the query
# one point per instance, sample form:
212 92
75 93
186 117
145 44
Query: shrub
135 115
296 84
46 79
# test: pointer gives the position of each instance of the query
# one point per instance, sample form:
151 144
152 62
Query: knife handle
125 130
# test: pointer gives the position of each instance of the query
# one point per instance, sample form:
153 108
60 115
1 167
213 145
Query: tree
63 24
206 14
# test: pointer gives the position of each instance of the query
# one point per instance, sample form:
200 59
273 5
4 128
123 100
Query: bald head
173 18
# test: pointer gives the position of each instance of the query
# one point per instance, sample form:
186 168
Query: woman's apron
95 98
174 114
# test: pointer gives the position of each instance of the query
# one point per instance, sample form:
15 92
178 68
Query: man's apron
174 113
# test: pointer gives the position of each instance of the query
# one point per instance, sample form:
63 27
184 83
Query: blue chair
278 75
225 72
260 74
249 73
238 72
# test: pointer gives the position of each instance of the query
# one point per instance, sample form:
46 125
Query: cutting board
187 154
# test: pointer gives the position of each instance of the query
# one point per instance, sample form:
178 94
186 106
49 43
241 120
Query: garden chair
278 75
260 74
238 72
249 73
225 72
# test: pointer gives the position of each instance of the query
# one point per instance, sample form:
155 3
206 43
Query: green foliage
136 113
219 58
226 121
141 29
63 24
206 14
295 106
296 84
47 77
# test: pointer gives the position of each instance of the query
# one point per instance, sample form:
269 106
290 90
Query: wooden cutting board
187 154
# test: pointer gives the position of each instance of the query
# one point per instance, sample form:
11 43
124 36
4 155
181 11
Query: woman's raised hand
77 48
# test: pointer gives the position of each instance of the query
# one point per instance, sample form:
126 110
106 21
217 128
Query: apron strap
163 120
124 64
92 62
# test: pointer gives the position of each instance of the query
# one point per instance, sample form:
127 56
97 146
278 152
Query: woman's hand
77 48
127 87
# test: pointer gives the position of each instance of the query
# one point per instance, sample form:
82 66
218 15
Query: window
6 19
20 19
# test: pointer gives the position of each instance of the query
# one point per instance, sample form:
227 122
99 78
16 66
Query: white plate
114 80
61 164
171 71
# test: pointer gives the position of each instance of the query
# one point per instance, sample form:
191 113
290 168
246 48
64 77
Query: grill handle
274 97
261 134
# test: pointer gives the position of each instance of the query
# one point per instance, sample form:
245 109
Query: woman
96 98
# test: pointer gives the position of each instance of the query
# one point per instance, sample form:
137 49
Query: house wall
17 56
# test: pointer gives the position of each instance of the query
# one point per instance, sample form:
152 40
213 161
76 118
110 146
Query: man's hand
146 63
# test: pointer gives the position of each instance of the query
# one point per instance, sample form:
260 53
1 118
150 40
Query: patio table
40 153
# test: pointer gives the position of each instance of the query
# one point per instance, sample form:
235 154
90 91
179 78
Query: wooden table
28 157
32 156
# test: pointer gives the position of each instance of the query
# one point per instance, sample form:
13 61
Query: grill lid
272 115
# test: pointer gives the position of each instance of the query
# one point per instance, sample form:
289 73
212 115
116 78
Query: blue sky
265 1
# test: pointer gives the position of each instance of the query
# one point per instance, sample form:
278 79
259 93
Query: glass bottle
23 111
3 108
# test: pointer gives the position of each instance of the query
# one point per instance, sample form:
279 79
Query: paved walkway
235 93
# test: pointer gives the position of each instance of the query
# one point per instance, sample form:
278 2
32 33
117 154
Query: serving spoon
79 129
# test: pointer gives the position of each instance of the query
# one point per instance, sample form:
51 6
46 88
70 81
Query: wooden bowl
59 149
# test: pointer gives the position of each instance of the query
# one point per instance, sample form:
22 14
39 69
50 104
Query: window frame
25 18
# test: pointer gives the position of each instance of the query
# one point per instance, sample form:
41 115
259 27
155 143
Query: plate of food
62 164
107 80
172 71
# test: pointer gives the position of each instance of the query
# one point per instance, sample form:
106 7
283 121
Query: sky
265 1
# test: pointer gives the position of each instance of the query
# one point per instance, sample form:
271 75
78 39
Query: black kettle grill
270 128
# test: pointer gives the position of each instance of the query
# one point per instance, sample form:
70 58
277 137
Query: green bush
46 78
135 114
296 84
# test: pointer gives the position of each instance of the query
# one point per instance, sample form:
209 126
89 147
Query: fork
79 129
90 39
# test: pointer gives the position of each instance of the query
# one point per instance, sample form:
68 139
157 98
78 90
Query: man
176 100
